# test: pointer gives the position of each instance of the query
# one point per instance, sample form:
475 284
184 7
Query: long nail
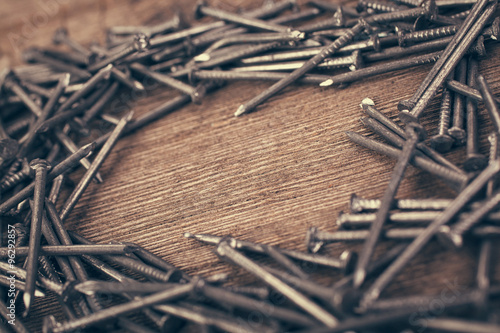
117 310
16 89
64 165
344 262
457 130
41 168
442 142
224 250
358 205
456 180
202 10
411 110
103 74
414 134
71 147
414 248
196 93
468 91
35 55
72 200
489 102
475 161
268 76
139 44
370 71
309 65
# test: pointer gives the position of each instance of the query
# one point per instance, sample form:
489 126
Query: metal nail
426 35
35 55
64 165
414 134
468 91
489 102
117 310
453 53
224 250
203 10
103 74
442 142
41 168
247 303
458 122
358 205
139 44
196 93
344 262
371 71
72 200
456 180
475 161
310 64
460 201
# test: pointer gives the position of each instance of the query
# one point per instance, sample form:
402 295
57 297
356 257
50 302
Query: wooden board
267 176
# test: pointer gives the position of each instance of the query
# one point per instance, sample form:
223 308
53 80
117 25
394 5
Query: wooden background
267 176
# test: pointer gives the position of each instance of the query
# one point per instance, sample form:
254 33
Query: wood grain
267 176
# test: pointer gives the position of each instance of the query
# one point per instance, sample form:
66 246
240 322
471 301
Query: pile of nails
52 105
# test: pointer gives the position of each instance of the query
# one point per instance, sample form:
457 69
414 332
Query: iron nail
442 142
414 135
103 74
196 93
236 300
310 64
117 310
203 10
41 168
456 180
475 161
64 165
345 262
457 131
489 102
453 53
423 238
238 75
35 55
359 205
72 200
140 44
467 91
224 250
370 71
420 301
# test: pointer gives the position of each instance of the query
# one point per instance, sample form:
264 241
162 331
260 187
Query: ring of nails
50 106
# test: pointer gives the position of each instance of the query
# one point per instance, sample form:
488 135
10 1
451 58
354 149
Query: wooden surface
267 176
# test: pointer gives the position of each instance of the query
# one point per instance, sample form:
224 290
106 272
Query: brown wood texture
267 176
